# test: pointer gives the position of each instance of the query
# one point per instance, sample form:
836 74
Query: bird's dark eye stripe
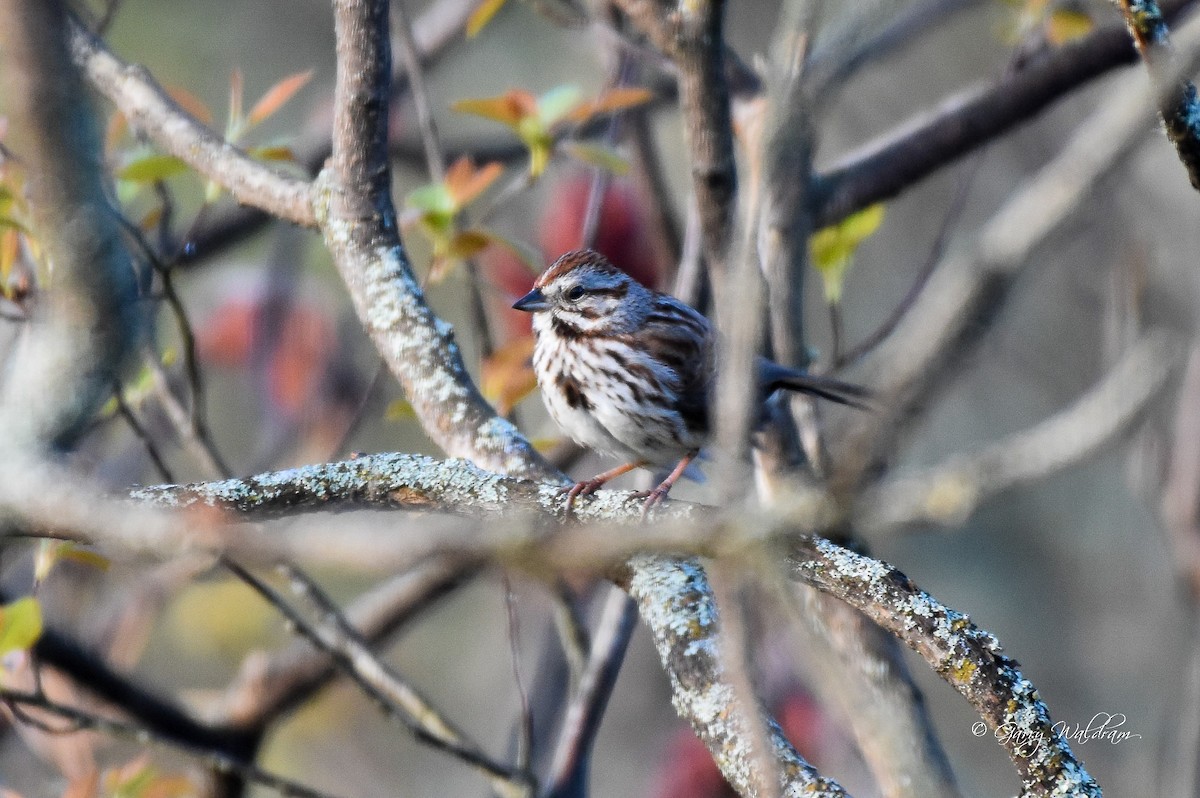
575 293
616 290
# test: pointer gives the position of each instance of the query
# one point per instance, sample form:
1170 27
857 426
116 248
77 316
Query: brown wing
681 339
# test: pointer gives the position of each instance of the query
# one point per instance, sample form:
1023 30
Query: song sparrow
628 371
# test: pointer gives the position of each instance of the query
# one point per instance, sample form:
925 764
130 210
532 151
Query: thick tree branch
152 111
358 220
666 590
968 658
85 320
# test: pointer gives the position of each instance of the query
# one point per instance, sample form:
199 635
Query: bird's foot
584 488
653 498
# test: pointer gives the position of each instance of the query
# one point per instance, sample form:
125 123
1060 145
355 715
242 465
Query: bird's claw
585 488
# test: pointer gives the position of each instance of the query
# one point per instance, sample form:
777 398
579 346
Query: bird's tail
774 376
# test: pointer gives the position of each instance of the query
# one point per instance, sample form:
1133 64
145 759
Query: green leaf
1065 26
597 155
540 149
832 249
432 199
555 104
399 410
20 624
152 168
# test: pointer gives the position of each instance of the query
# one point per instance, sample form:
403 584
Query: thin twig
216 761
381 683
142 435
581 722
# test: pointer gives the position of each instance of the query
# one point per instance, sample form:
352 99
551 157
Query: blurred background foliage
290 378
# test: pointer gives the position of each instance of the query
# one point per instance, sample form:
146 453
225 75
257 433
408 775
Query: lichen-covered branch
389 480
967 657
666 592
1179 105
85 319
152 111
358 219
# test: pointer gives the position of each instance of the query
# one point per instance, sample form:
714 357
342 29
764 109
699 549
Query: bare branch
381 682
947 494
581 722
883 168
692 35
1179 106
215 760
152 111
967 657
969 285
267 687
861 667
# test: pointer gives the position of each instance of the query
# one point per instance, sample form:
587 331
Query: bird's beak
532 302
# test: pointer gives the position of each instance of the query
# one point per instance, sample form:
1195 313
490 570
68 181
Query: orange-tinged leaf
508 108
274 152
482 15
469 243
614 100
233 123
118 125
51 552
20 624
151 219
190 103
464 182
274 98
507 376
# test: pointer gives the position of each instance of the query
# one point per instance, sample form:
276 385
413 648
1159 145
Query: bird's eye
575 293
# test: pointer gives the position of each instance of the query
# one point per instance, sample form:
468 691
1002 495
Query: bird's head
585 294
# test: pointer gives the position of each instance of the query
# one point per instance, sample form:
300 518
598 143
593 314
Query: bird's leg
589 486
656 496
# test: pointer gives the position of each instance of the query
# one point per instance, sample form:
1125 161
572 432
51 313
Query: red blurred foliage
623 236
301 347
688 770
